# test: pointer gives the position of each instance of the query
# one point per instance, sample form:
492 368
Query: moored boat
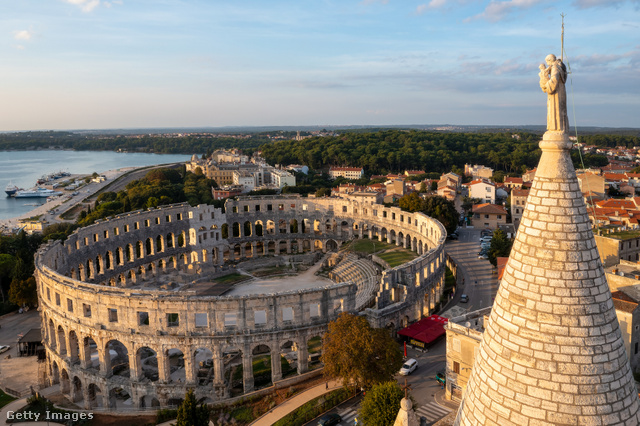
11 189
36 193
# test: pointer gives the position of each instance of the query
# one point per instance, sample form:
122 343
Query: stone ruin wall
94 287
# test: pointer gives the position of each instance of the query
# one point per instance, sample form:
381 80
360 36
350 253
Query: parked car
464 298
452 236
409 367
329 419
486 239
441 377
4 348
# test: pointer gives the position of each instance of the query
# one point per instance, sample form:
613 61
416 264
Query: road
480 277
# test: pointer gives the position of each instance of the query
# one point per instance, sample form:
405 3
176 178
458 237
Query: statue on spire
552 81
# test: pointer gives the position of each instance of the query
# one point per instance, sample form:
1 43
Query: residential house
590 182
518 201
482 189
488 215
513 182
528 176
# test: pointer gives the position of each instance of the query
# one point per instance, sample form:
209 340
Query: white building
245 179
483 190
281 178
346 172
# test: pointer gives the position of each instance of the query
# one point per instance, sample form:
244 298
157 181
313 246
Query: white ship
36 193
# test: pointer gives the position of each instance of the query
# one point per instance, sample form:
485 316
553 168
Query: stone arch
331 245
55 373
76 389
317 245
65 382
147 362
293 226
248 250
108 260
119 256
384 235
116 359
282 226
160 243
203 364
148 247
62 341
170 240
129 253
259 228
119 397
233 373
98 263
288 358
94 394
262 370
247 229
392 236
224 231
139 250
271 227
91 355
271 247
74 346
149 401
174 360
235 229
313 351
52 336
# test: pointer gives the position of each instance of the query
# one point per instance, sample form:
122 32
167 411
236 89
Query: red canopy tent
425 331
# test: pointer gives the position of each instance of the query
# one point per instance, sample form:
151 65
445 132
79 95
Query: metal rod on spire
562 39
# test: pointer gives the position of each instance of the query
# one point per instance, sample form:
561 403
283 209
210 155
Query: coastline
85 192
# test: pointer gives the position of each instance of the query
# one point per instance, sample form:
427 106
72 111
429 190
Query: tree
7 268
443 210
500 246
357 353
411 202
423 187
23 292
381 404
190 414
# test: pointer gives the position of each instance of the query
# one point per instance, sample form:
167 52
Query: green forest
398 150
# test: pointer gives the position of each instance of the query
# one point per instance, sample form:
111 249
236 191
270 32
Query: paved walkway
291 404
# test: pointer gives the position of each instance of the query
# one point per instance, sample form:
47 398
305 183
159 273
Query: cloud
368 2
23 35
497 10
85 5
586 4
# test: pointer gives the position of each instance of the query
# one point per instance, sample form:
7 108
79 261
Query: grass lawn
397 257
5 399
314 345
231 278
368 246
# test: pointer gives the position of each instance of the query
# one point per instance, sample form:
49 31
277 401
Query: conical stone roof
552 351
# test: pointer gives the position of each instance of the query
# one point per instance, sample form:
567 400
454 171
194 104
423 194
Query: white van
409 367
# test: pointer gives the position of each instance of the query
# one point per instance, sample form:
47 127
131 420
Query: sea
24 168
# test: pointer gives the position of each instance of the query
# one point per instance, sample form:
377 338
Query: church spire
552 351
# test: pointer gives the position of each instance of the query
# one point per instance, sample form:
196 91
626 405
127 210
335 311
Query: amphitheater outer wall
104 310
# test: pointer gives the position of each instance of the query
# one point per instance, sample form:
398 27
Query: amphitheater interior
136 309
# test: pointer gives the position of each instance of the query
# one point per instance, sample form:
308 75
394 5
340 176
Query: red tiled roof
488 208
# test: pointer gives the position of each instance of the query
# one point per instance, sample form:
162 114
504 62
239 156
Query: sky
105 64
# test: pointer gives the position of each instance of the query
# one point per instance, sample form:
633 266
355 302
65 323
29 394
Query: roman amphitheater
133 316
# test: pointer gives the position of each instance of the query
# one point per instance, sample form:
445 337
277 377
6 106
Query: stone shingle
552 343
